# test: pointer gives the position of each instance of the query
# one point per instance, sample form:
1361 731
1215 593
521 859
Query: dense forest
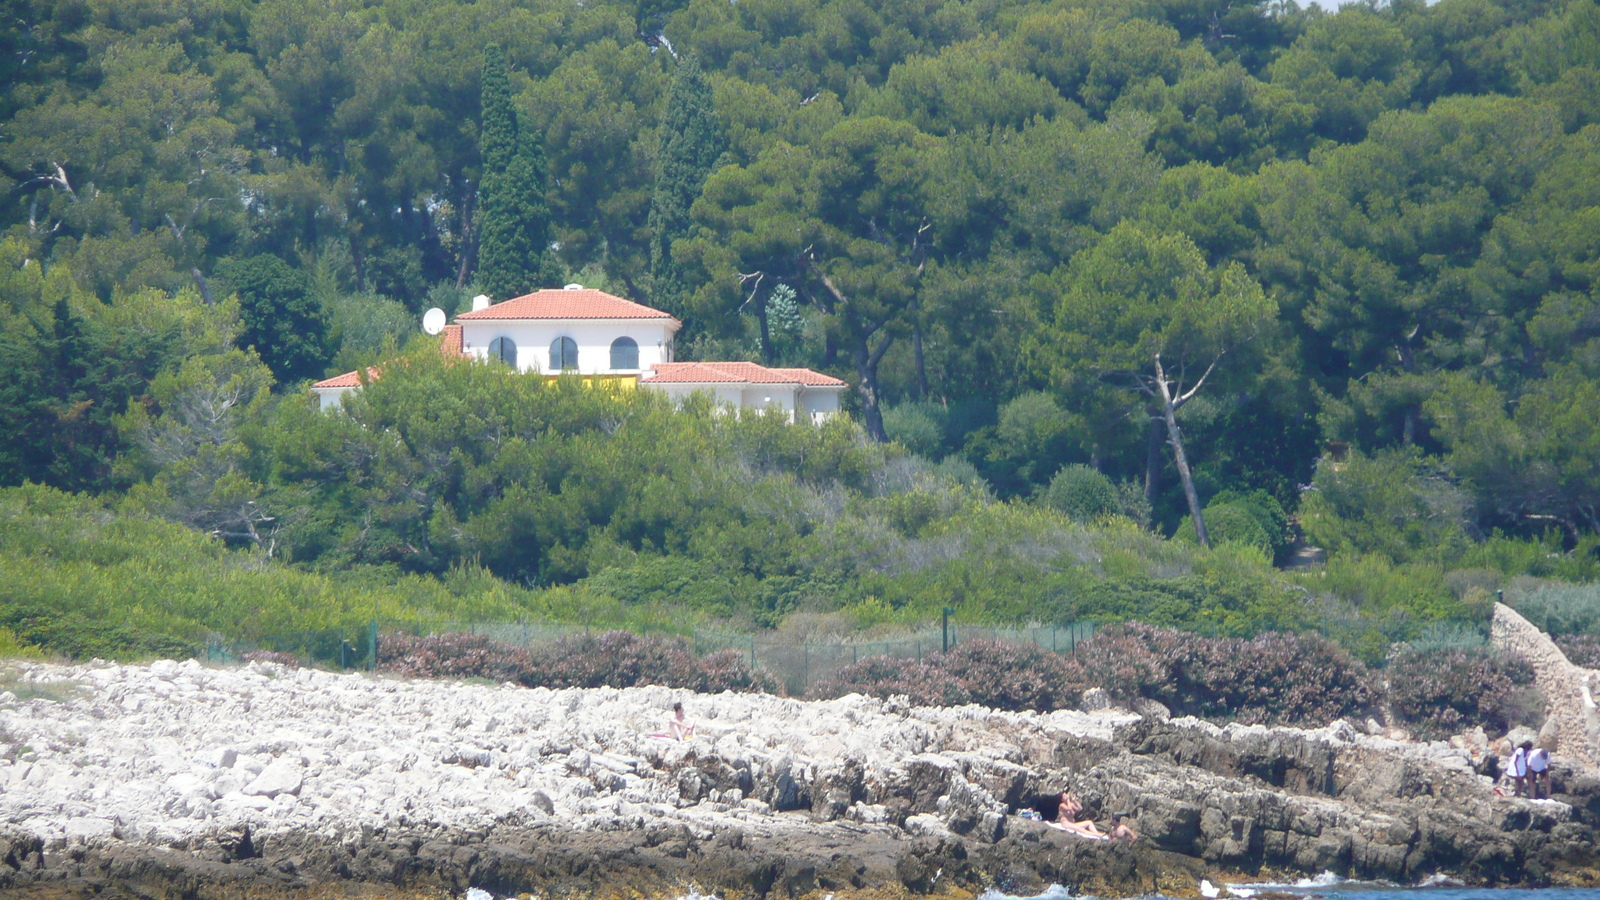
1133 295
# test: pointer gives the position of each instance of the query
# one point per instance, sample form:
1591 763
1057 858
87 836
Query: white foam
1053 892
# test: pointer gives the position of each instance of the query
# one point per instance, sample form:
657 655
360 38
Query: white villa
575 330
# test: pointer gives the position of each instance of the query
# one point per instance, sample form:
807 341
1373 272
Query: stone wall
1572 725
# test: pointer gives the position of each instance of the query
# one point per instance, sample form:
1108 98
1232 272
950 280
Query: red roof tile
810 378
348 379
450 341
736 373
566 304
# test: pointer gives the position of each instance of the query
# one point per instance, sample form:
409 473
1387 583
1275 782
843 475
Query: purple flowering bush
1441 692
1581 649
994 674
1015 676
457 655
925 683
1274 677
611 659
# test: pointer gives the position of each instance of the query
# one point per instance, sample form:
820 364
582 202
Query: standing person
1519 769
1539 771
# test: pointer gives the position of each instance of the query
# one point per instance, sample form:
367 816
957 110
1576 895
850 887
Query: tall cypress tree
691 142
513 216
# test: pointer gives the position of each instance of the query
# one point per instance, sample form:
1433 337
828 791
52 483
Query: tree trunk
1169 413
1152 460
766 332
205 289
866 361
922 369
467 236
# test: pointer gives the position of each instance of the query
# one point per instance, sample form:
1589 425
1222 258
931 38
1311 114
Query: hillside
1134 300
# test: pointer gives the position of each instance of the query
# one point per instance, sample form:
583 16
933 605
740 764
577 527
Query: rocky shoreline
179 780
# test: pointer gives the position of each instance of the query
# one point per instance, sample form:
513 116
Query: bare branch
1198 384
754 289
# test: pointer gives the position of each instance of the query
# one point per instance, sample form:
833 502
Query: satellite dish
573 287
433 320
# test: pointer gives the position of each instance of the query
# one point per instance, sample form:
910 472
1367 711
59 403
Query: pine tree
691 142
513 216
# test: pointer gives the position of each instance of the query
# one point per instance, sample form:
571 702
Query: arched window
504 349
624 353
563 354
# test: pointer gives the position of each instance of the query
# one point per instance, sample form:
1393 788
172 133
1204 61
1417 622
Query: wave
1053 892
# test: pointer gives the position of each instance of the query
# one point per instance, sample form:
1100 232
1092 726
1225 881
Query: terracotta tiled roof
736 373
348 379
566 304
449 344
809 378
450 341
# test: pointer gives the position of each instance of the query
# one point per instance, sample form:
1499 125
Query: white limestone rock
282 776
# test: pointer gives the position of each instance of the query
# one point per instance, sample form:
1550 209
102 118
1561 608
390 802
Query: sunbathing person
1122 830
682 729
1067 819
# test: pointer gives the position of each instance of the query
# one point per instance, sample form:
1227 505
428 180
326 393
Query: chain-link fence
797 664
330 647
801 664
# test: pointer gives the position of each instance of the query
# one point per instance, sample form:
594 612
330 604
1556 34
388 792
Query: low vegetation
616 659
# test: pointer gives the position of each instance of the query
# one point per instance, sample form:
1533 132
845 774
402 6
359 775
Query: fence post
372 645
944 632
752 651
805 665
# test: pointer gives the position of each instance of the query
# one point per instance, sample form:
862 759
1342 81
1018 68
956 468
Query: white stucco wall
722 395
796 403
818 404
593 336
769 397
331 397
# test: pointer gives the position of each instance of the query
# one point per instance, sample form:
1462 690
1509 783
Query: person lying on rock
1067 819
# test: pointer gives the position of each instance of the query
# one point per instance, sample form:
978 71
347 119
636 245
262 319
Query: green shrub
1267 512
1081 494
1396 503
1229 522
919 427
12 647
1555 607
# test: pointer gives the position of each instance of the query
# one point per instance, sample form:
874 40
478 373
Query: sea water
1330 887
1324 887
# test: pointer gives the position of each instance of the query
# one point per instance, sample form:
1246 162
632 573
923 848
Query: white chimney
574 287
480 302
